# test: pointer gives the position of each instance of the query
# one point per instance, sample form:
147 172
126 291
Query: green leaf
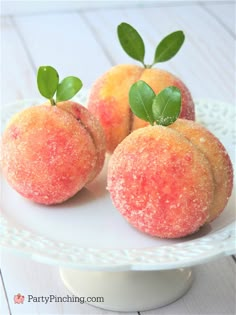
131 41
47 80
68 88
169 46
166 106
141 97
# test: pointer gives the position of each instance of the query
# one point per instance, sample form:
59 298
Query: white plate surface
88 232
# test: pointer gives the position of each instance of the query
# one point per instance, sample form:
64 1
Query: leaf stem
147 66
53 103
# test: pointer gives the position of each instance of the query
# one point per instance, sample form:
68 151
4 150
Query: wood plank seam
151 5
24 44
212 14
5 292
93 31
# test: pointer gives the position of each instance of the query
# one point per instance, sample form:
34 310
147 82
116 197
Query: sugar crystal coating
161 183
218 157
94 128
47 155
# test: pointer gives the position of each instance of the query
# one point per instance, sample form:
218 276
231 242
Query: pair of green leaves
133 44
48 85
162 109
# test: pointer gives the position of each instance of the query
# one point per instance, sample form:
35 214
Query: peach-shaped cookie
50 151
217 156
168 181
109 102
109 97
161 183
48 155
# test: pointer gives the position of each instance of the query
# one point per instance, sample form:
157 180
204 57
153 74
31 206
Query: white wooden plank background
17 75
3 298
84 43
221 14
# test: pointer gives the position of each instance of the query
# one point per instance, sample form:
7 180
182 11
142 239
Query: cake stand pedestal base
128 291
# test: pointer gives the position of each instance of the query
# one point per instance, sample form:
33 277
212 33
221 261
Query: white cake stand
99 254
